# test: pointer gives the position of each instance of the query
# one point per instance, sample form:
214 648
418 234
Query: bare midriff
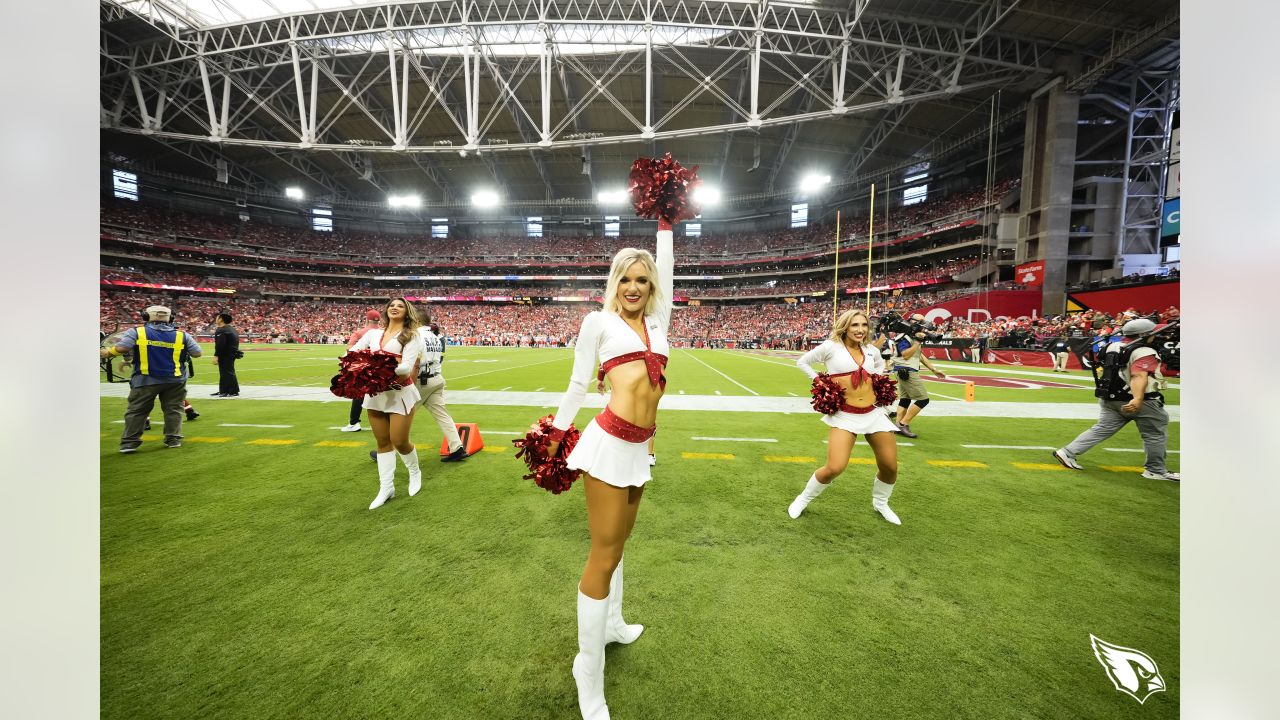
864 395
634 398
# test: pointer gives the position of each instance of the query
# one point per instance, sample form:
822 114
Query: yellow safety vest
144 343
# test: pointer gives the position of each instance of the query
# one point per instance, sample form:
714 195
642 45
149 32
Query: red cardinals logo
1133 672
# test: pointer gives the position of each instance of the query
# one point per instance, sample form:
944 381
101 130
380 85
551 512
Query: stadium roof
551 100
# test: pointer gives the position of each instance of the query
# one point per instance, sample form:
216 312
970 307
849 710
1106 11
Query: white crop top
605 335
372 340
839 361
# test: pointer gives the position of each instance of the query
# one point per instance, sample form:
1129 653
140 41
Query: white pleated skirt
400 402
861 424
610 459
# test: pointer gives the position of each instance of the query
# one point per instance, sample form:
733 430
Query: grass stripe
706 456
1011 447
272 441
1038 466
339 443
957 463
789 459
253 426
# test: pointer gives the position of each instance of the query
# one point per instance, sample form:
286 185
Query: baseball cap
157 312
917 316
373 315
1141 326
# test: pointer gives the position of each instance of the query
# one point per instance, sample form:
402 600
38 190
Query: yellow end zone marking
339 443
862 461
706 456
423 446
1123 468
494 448
208 439
789 459
271 441
152 437
957 463
1038 466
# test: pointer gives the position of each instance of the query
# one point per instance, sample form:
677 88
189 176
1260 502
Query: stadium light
404 201
705 196
612 197
484 198
294 193
813 183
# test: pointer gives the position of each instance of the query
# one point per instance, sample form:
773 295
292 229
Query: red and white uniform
611 449
840 362
400 401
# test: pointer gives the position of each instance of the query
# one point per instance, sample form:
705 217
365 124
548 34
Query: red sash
622 429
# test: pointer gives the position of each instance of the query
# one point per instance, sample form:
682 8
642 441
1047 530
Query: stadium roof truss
488 78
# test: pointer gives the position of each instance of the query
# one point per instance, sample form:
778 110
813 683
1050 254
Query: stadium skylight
511 40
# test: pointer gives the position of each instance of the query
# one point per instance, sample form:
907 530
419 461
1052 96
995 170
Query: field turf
244 577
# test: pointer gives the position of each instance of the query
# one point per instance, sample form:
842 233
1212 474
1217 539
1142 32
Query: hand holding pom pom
661 188
886 390
548 470
365 372
827 394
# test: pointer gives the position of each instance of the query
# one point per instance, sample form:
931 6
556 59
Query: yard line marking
251 425
734 439
706 456
1011 447
339 443
505 369
539 389
862 461
1038 466
502 432
681 392
726 377
931 391
494 448
207 439
757 357
504 389
339 427
790 459
1122 468
474 387
271 441
958 463
1172 452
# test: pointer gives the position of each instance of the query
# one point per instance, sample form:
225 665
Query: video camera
893 322
1168 345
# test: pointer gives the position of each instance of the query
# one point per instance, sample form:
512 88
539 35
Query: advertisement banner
1143 298
1030 274
1173 185
1172 218
981 307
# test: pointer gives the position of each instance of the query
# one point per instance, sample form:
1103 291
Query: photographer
907 360
1129 384
160 355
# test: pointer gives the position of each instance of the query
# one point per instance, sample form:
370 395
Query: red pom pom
551 474
365 372
661 188
827 394
886 390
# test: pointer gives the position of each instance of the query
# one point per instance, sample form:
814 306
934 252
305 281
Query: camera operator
907 359
1129 384
160 353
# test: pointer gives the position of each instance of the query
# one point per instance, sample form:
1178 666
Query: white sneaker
1066 460
1175 477
653 460
352 428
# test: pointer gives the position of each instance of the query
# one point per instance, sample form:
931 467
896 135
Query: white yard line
540 389
504 389
726 377
1139 450
1010 447
474 387
735 439
504 369
500 432
744 353
252 425
793 394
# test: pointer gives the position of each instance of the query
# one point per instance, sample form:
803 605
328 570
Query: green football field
244 577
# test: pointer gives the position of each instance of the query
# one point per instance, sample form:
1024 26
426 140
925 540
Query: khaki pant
912 388
142 400
432 392
1060 362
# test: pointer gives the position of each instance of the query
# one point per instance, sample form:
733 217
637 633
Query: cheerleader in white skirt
851 361
629 341
391 411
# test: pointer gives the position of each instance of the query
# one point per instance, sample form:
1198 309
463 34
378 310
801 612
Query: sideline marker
968 391
469 434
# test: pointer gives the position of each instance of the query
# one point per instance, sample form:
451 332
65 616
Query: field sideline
243 576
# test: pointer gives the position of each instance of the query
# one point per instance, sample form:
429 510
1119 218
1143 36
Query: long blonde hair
411 321
843 322
621 263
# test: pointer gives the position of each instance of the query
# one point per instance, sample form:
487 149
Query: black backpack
1107 382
